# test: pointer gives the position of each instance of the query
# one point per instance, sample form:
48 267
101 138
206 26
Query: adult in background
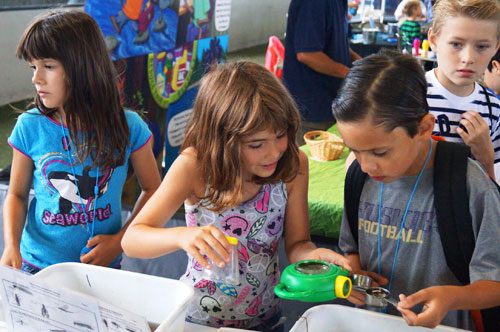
317 58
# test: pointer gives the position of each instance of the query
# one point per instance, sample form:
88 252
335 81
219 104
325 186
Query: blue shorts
29 268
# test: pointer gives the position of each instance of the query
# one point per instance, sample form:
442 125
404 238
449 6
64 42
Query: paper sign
32 305
222 14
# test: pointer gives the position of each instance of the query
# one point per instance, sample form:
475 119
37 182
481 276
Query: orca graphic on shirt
79 190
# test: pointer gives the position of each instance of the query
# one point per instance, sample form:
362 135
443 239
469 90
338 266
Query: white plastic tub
162 301
339 318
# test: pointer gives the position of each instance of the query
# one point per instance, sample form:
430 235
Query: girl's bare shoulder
304 162
303 173
189 156
188 161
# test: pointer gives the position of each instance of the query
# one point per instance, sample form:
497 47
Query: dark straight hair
388 87
93 112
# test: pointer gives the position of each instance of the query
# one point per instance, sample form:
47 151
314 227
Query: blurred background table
326 193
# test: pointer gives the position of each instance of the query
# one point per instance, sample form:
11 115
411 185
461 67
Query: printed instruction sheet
32 305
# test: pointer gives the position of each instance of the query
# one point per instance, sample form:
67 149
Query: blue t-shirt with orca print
56 229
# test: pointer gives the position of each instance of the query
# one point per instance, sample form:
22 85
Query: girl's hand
477 136
11 257
436 302
329 256
105 249
358 297
207 241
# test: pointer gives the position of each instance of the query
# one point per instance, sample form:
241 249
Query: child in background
400 15
75 147
410 28
465 35
241 174
492 74
382 116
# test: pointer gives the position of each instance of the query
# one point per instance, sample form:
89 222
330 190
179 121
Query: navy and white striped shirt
448 108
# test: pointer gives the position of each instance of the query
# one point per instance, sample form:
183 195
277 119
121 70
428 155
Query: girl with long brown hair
240 174
74 147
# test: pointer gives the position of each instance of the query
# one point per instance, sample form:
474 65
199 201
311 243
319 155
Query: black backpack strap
488 101
452 207
354 182
491 319
454 220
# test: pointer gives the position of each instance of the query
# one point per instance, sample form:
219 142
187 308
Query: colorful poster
161 49
136 27
211 51
169 73
178 115
195 20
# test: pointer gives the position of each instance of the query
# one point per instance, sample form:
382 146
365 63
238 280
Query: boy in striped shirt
465 36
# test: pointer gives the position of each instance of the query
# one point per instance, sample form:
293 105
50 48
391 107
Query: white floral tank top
258 225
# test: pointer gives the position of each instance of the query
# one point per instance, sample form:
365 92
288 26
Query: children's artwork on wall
161 48
211 51
195 20
169 73
136 27
177 119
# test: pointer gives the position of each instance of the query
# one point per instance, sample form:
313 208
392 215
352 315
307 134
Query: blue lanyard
404 216
67 147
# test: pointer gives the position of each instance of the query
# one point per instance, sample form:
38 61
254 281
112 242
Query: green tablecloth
326 193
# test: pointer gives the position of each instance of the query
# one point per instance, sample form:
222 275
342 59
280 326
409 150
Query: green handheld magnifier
313 281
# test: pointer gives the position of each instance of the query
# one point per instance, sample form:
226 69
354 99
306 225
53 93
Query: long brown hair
94 116
235 100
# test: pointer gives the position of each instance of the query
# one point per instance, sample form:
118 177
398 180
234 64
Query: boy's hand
358 297
206 241
105 249
331 256
436 306
477 136
11 257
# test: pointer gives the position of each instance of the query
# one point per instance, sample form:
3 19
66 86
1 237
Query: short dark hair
389 87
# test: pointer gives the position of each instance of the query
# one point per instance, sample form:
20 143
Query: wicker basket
324 145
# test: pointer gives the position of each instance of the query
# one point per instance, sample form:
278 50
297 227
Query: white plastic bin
336 318
162 301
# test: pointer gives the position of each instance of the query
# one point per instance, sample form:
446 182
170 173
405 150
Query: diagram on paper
35 308
31 305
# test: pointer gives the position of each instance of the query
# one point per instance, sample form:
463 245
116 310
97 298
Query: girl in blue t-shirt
240 174
74 147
